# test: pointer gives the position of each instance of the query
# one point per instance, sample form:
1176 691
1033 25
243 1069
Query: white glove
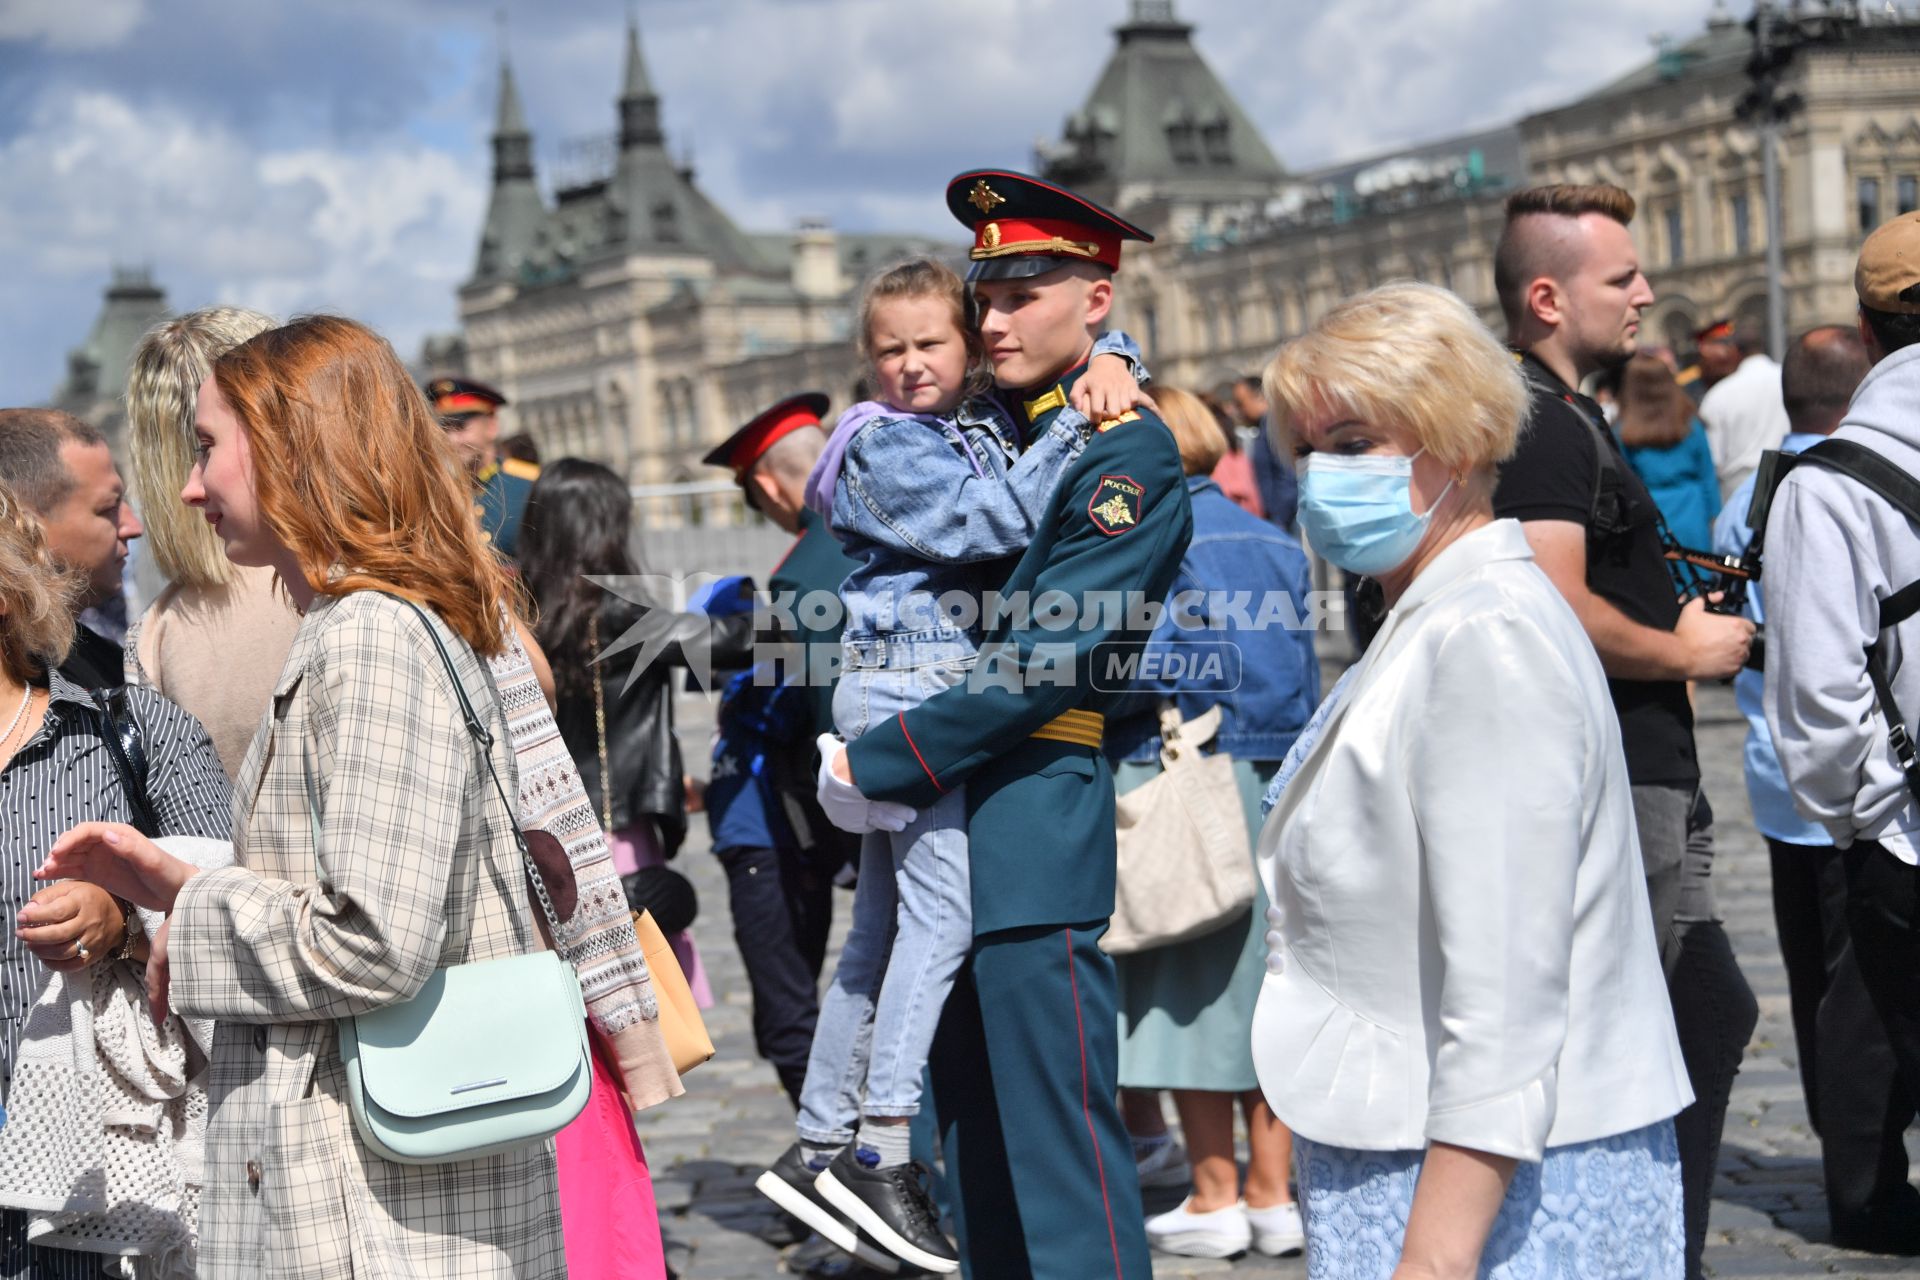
845 807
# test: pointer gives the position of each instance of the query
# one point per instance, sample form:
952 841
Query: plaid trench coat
415 871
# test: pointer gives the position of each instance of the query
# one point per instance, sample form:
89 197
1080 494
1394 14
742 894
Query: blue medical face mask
1358 511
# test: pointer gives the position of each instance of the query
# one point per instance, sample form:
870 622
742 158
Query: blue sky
292 155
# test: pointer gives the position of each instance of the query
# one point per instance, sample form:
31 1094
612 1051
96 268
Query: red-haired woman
319 459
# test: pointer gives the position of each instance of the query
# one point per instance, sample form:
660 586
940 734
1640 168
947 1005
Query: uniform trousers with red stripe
1039 1167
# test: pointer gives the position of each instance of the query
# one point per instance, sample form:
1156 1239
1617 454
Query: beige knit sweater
216 651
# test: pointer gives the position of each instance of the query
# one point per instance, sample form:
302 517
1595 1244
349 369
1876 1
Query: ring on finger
81 948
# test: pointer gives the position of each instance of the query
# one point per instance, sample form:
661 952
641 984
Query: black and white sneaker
892 1206
791 1185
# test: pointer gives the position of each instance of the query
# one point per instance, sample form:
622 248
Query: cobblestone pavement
1768 1215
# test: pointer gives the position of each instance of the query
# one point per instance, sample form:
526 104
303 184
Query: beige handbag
1186 865
681 1025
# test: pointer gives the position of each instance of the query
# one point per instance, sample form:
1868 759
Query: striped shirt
62 777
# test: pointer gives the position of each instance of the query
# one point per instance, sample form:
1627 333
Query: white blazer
1461 947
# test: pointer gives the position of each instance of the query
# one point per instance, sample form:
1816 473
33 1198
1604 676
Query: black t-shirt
1552 476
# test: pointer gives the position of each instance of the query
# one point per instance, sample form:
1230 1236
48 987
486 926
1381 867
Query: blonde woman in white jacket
1463 1020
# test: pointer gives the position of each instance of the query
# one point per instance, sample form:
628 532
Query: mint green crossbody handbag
488 1056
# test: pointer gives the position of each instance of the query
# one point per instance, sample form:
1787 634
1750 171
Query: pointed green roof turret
512 142
510 119
639 104
1159 124
515 211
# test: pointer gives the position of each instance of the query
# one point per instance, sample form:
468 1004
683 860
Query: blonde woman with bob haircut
214 639
318 459
1463 1019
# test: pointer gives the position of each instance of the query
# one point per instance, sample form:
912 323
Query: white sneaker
1276 1229
1163 1165
1222 1233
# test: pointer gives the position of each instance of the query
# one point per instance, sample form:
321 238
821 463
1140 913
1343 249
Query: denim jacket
1240 585
922 509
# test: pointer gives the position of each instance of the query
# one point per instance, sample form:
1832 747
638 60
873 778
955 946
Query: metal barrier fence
704 527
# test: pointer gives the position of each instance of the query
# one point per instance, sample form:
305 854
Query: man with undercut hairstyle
1572 292
61 468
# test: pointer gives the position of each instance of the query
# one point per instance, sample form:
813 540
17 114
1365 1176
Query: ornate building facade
631 321
1214 302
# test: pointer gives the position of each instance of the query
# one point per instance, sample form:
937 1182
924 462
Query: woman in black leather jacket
578 522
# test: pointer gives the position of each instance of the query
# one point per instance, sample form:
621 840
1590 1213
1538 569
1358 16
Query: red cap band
754 445
464 403
1011 237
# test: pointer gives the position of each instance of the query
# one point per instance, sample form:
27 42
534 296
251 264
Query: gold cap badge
990 235
983 197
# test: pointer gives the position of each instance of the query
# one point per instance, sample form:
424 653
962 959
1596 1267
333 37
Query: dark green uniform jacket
503 500
1041 819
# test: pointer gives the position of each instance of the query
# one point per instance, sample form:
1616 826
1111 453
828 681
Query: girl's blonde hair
1199 433
355 476
925 278
36 598
169 365
1412 356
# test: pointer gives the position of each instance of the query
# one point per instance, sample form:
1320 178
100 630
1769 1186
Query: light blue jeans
912 911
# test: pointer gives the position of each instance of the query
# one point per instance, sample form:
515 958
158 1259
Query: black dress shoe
790 1184
1899 1239
891 1206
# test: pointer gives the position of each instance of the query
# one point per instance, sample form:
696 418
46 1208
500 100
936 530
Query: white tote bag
1186 866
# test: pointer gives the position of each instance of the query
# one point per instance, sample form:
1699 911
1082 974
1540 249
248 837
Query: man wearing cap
1743 408
1025 1060
1838 552
1714 357
469 410
780 854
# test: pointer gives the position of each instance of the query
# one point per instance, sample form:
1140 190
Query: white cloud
1341 81
70 24
383 234
857 110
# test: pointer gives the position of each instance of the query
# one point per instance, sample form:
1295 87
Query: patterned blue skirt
1602 1210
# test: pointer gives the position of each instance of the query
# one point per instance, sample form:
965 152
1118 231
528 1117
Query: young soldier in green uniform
469 410
1024 1063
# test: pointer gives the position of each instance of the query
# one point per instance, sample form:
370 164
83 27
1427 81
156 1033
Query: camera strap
1902 491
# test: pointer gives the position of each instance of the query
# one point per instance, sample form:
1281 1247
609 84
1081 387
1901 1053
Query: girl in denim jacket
927 489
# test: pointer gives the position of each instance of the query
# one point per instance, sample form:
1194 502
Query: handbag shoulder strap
1183 738
600 725
128 751
483 740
